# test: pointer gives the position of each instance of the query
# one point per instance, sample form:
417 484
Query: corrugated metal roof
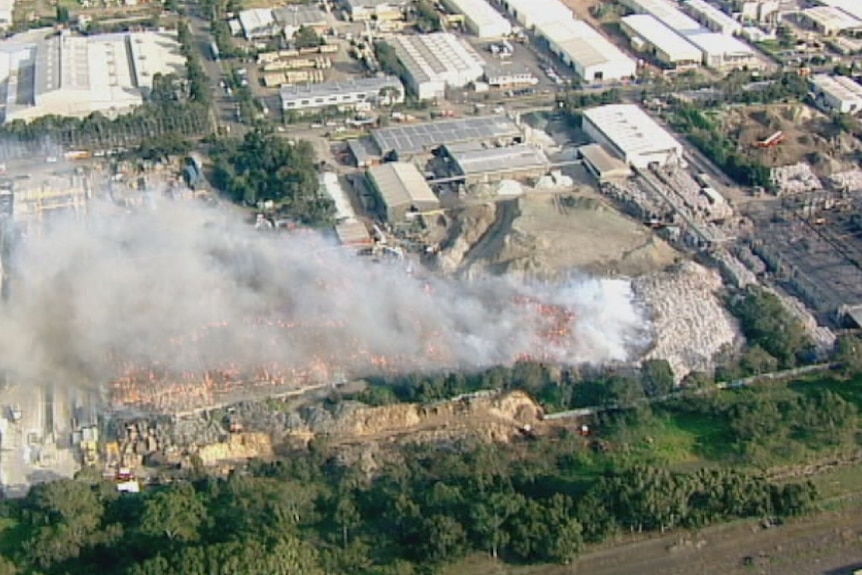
582 43
499 160
631 129
651 30
482 14
416 138
401 184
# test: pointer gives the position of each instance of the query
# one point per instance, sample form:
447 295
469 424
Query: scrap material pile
795 179
691 326
157 388
850 181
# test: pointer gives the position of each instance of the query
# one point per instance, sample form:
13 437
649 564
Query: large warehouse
647 33
665 12
479 164
481 18
71 75
837 93
852 7
712 17
723 52
436 61
589 53
402 189
411 139
630 133
531 13
379 10
342 95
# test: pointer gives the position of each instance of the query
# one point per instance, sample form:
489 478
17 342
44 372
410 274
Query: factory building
602 165
590 54
379 10
531 13
837 93
436 61
479 164
508 76
712 17
402 189
70 75
257 23
291 18
351 94
648 34
6 9
665 12
482 19
829 20
761 11
627 131
851 7
412 139
723 52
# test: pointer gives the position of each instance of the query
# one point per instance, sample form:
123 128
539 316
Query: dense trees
306 37
770 327
265 168
308 514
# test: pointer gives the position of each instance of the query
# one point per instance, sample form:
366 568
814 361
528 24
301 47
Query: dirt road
829 543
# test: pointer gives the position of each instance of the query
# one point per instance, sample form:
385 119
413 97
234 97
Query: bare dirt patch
809 136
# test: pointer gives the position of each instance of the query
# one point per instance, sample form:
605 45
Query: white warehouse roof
852 7
832 18
666 12
482 18
438 57
402 184
586 50
631 131
72 75
841 88
721 21
531 13
652 31
717 44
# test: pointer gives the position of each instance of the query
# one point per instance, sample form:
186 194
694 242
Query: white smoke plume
191 288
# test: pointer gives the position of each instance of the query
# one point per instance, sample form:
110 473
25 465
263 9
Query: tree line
263 168
310 514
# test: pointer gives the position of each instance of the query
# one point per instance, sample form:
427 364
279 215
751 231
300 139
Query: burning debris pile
108 303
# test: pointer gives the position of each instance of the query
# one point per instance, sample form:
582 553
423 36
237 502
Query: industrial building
257 23
6 9
71 75
291 18
591 55
851 7
436 61
723 52
602 165
531 13
626 130
829 20
665 12
712 17
379 10
411 139
402 189
508 76
350 94
480 18
837 93
761 11
477 164
648 34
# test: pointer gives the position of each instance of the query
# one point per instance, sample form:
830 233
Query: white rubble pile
850 181
691 325
823 337
795 179
556 179
509 188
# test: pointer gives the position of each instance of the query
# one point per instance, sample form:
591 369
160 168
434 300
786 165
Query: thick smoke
192 288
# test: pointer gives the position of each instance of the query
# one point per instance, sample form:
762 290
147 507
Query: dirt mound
471 224
495 416
238 447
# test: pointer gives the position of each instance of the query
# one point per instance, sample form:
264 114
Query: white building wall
482 19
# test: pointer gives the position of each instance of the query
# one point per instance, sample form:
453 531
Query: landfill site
520 197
